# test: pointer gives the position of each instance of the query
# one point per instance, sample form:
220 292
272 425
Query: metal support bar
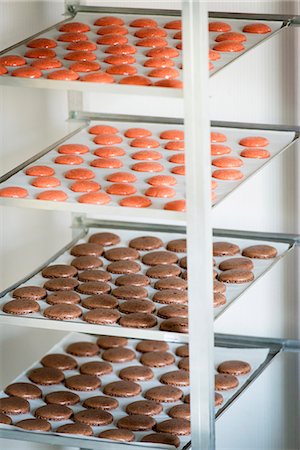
199 231
259 235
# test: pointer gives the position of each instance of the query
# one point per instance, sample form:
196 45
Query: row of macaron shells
114 34
120 57
154 355
101 297
160 184
170 288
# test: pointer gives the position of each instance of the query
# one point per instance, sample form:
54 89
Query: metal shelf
88 14
280 137
259 352
127 232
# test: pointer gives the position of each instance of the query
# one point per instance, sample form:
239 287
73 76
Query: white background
261 87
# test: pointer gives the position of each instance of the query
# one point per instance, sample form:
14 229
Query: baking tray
259 356
90 14
233 292
280 138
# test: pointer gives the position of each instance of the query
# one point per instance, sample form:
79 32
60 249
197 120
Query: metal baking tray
280 137
259 353
233 292
90 14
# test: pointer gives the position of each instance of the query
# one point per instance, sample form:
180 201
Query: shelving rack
197 220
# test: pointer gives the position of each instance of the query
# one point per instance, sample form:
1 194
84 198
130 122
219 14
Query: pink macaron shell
13 192
135 201
95 198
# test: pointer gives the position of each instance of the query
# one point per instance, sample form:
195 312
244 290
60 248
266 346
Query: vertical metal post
199 229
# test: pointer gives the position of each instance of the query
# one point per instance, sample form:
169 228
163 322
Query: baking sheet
255 357
279 140
89 18
232 291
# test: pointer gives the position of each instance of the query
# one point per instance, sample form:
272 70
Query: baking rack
84 228
198 219
272 348
85 13
280 139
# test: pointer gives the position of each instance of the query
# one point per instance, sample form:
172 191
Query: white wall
260 87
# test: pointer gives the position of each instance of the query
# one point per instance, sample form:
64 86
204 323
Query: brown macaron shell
164 394
225 249
179 427
137 305
234 367
102 301
30 292
176 378
46 376
34 425
65 398
118 355
93 417
136 373
157 359
116 434
98 368
75 428
27 391
101 402
106 342
122 389
21 307
236 276
83 383
14 405
59 361
54 412
236 263
146 243
145 407
138 320
161 438
260 252
136 422
152 346
6 420
59 271
224 382
105 238
63 312
83 349
180 411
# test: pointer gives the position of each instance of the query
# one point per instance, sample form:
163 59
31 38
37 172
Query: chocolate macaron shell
136 373
164 394
157 359
187 399
163 271
161 438
101 402
5 419
170 296
182 351
94 275
236 263
138 320
180 411
59 361
60 297
100 301
136 422
219 287
61 284
169 311
121 254
177 245
218 399
102 316
179 427
132 280
184 364
260 252
225 249
159 257
123 267
23 390
106 239
83 382
54 412
34 425
146 243
152 346
116 434
130 292
118 355
63 312
236 276
46 376
83 349
137 305
219 299
88 249
30 292
224 382
175 325
20 307
59 271
75 428
234 367
171 283
93 288
98 368
106 342
183 262
93 417
122 389
176 378
65 398
86 262
146 407
14 405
